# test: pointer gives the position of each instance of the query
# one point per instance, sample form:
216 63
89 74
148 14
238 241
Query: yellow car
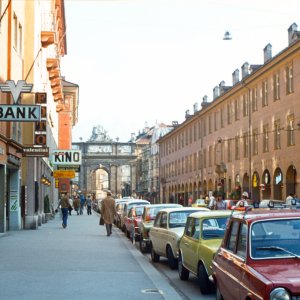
199 203
202 237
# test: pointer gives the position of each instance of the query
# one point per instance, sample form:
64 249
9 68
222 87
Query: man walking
108 212
64 203
89 205
82 203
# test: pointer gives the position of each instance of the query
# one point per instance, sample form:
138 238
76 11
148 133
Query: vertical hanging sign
40 131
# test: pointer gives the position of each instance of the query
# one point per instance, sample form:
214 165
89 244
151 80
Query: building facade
246 139
31 52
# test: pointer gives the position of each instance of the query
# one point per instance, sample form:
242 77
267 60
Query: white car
166 232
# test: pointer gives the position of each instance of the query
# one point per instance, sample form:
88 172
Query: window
195 132
236 109
199 160
276 89
222 117
204 127
237 149
228 113
254 99
216 120
242 241
289 80
215 154
277 134
266 138
20 48
246 144
193 228
245 105
229 151
15 32
210 156
231 243
290 131
255 142
210 123
204 158
265 93
199 130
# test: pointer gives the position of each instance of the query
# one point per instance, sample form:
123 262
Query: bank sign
16 112
66 157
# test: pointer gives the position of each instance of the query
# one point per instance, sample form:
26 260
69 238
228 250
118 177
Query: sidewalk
79 262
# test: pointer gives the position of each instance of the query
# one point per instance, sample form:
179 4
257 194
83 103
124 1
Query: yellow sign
64 174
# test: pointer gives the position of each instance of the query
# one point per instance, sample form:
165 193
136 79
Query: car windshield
213 228
178 218
275 239
152 212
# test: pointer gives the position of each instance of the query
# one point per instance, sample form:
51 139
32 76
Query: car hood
178 231
281 272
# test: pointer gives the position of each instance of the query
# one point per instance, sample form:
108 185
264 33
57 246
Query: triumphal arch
116 160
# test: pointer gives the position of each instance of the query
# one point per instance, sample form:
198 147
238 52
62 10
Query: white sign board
66 157
20 113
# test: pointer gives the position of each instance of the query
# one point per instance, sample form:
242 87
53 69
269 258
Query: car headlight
280 294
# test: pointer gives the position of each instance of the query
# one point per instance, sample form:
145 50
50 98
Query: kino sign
66 157
16 112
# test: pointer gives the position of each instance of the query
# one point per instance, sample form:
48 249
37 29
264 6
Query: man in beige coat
108 212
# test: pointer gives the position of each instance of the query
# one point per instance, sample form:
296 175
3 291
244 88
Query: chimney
267 53
235 76
292 29
245 70
195 107
187 113
204 102
216 92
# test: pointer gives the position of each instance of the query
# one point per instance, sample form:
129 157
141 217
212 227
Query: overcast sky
139 61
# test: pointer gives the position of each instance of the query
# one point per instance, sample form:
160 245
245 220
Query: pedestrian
64 204
289 199
76 205
82 203
89 205
108 212
70 208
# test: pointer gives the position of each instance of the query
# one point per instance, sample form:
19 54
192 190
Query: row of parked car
249 254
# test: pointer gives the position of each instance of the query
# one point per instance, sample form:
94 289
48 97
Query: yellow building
246 139
32 43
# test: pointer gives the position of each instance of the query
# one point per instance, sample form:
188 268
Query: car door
154 232
231 261
189 244
162 234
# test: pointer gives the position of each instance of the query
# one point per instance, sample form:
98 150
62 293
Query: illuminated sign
64 174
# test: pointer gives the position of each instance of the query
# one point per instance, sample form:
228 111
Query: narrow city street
81 262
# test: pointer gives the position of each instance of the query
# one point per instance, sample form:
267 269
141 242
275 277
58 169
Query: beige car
166 232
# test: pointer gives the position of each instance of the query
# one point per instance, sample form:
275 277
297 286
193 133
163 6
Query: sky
143 62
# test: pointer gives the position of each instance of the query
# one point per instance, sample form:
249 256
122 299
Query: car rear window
213 228
178 218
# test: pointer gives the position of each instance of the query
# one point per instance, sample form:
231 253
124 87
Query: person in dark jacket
108 212
64 204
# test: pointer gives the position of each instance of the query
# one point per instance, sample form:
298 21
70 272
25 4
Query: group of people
108 210
220 204
67 204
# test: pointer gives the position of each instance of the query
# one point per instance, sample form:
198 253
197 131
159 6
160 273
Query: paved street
79 262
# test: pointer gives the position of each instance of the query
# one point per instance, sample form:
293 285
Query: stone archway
291 180
255 187
278 184
266 181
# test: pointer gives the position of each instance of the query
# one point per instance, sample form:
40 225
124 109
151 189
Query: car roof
267 213
211 213
175 209
164 205
137 201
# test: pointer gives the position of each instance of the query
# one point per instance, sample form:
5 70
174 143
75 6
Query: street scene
149 149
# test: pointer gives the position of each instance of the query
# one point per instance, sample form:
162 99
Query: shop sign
64 174
20 113
76 168
36 151
66 157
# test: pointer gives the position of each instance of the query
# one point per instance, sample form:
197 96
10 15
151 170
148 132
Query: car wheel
204 282
142 248
218 294
173 262
182 271
154 257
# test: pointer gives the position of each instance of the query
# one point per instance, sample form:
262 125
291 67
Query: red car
259 257
132 221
